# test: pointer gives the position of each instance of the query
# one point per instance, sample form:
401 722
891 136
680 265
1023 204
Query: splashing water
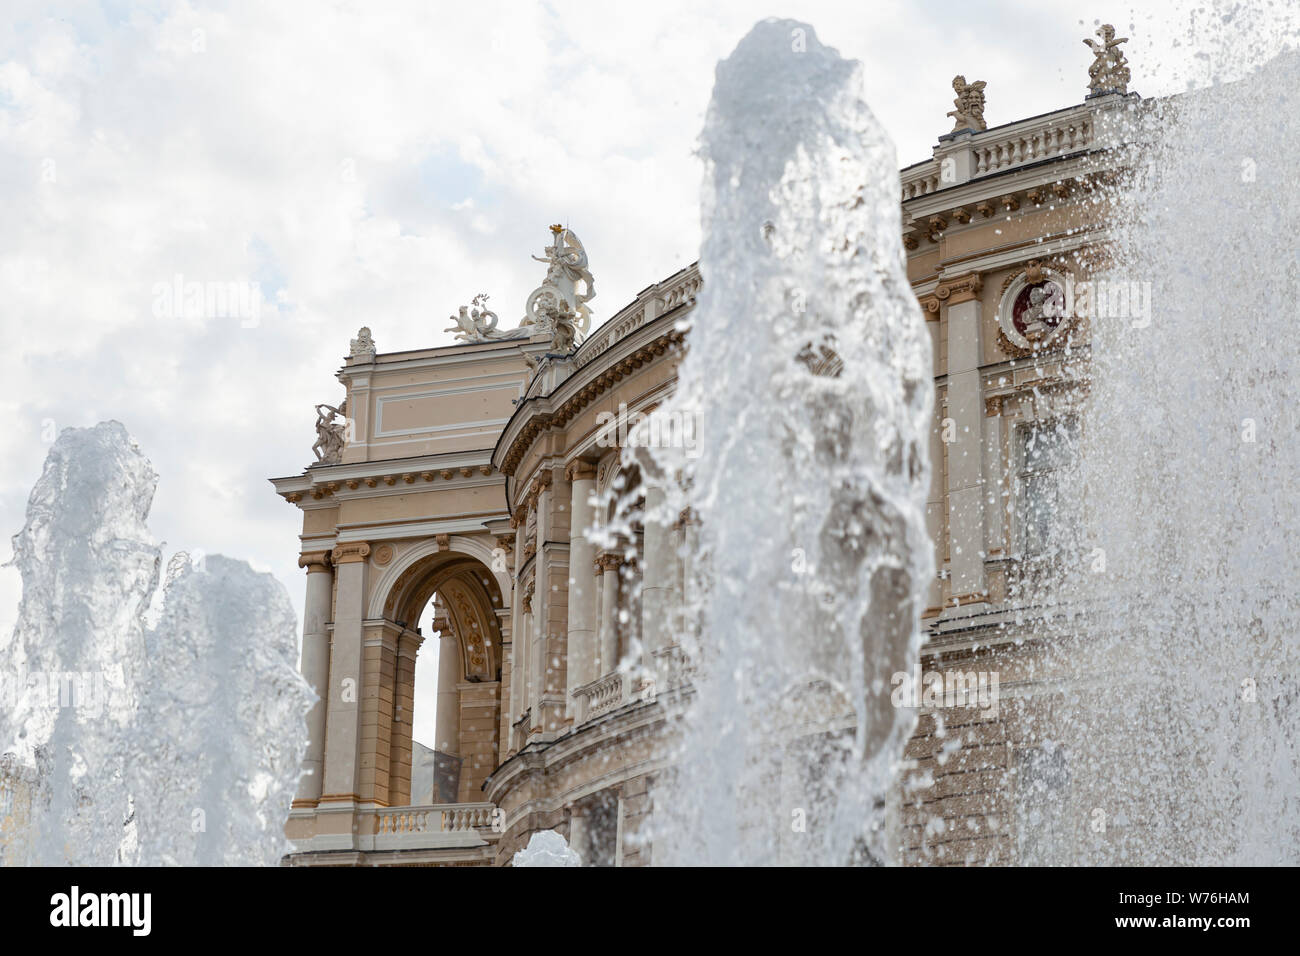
546 848
808 374
179 744
1179 624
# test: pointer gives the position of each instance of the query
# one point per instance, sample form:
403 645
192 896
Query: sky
380 163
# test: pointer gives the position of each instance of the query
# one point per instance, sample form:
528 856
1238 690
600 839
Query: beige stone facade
468 472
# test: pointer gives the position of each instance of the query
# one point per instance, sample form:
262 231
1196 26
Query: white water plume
177 744
1177 561
808 372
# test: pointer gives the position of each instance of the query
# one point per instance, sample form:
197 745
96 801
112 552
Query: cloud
370 164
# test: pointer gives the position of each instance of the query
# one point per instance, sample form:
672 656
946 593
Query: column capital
609 561
408 643
930 305
960 289
352 552
315 562
580 470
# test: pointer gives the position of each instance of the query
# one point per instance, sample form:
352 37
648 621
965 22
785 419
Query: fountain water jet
1178 738
808 374
176 744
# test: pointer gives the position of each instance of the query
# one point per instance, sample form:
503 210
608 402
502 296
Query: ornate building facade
467 476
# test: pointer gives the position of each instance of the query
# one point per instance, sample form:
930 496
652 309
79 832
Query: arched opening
446 748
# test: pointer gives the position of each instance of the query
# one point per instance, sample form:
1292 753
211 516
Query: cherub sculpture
1109 72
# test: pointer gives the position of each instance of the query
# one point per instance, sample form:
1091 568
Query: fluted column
315 669
582 584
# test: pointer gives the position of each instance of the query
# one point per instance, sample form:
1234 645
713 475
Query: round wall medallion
1034 310
383 554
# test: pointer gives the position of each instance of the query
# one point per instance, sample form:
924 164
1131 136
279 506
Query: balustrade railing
430 826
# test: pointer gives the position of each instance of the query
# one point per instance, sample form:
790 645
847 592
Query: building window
1044 448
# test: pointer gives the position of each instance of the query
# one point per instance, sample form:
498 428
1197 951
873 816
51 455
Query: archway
466 621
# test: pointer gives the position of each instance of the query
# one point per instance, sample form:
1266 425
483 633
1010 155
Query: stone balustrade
677 290
431 827
973 155
673 668
601 696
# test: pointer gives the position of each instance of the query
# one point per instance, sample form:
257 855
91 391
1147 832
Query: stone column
549 625
399 773
447 757
620 822
504 618
478 753
658 579
525 657
378 703
934 505
966 450
608 564
995 481
688 543
581 650
578 833
449 676
343 709
518 635
315 669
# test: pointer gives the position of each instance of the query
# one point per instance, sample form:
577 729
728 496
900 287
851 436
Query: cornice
370 479
537 415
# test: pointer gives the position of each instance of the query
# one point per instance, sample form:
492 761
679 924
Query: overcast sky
379 163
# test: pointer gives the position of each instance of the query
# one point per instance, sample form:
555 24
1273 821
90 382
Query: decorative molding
383 554
544 421
1032 272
